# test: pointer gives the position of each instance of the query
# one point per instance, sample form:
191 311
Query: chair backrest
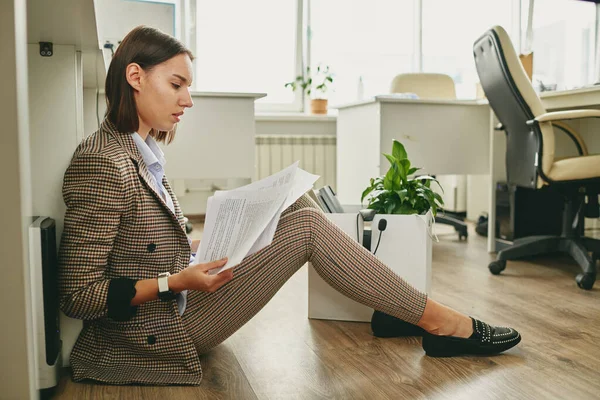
511 96
425 85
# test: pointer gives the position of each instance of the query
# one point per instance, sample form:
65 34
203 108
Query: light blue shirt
154 158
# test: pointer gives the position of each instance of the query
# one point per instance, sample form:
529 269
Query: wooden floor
281 354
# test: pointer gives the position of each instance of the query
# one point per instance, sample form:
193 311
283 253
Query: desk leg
497 174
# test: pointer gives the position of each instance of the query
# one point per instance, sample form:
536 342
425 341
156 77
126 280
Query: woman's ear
134 73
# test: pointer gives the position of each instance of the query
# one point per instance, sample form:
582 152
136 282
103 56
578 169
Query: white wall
90 120
53 124
478 195
16 337
54 94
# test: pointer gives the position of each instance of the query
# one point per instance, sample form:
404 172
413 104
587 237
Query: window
247 46
358 38
258 46
563 43
449 30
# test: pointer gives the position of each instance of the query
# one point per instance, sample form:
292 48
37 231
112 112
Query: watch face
163 287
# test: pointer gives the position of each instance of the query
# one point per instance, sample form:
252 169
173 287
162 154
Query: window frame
301 33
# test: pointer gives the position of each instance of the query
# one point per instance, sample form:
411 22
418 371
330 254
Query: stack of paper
242 221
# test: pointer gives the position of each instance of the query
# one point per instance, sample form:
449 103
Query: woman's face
163 93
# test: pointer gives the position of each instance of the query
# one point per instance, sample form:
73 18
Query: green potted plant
397 193
315 85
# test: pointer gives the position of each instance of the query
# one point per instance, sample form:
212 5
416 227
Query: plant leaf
390 207
366 192
404 167
388 181
428 178
405 208
391 159
438 198
398 150
413 170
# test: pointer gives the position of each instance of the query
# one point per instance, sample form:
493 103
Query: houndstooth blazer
118 230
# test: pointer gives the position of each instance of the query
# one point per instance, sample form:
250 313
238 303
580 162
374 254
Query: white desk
588 97
442 136
214 144
219 128
589 129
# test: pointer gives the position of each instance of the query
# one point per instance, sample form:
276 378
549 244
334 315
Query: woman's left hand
196 277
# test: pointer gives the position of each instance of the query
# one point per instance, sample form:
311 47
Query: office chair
431 86
530 161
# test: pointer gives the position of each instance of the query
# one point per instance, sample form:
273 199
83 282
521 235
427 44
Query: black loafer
385 326
485 340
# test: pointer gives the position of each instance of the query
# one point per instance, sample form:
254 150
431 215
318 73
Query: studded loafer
485 340
385 326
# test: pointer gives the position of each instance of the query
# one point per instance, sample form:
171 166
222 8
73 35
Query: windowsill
296 116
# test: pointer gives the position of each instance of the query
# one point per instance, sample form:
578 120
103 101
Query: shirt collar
149 150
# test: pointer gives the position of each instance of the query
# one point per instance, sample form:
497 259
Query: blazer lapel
126 141
176 206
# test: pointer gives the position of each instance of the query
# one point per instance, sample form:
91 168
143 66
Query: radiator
316 154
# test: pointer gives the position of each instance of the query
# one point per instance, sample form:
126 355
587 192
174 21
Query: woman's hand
196 277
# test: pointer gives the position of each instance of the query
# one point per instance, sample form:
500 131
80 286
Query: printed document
242 221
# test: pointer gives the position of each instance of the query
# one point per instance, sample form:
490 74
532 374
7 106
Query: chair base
577 247
459 226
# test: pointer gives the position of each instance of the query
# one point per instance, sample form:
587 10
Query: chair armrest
563 115
579 142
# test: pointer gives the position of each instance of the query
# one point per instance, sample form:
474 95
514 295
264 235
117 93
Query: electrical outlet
46 49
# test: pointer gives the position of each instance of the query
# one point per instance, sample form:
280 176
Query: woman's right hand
196 277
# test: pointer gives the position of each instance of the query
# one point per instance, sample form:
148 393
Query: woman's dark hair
147 47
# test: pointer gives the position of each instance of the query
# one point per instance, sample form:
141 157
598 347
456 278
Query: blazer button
151 247
151 339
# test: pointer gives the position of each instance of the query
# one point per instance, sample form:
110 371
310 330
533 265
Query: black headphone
381 226
368 215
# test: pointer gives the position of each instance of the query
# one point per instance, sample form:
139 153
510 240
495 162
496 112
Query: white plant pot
405 247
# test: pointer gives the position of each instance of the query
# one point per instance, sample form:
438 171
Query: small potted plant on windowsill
315 86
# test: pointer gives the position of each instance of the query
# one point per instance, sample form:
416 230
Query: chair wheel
585 281
463 234
497 266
